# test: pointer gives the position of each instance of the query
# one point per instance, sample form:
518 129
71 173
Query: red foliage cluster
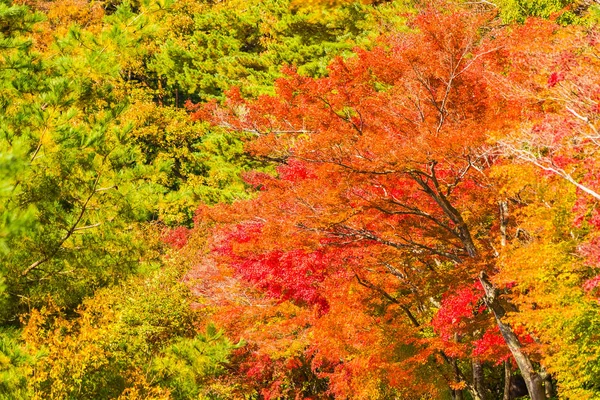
176 237
458 309
491 347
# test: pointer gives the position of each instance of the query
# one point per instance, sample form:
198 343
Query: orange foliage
379 207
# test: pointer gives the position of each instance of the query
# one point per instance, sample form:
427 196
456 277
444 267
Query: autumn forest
300 199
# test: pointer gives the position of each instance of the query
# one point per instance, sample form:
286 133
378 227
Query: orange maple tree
384 226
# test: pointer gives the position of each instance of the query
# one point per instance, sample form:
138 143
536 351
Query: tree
215 46
550 186
74 177
383 176
141 338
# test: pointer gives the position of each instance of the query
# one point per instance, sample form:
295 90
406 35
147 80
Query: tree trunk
478 379
533 380
457 394
547 383
507 375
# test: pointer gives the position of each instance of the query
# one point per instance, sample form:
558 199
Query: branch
71 230
452 213
87 227
530 157
389 297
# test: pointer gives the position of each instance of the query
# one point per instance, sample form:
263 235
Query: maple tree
386 175
384 165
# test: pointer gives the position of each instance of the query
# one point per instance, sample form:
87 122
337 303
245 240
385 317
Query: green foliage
593 15
79 168
67 198
246 43
15 365
187 366
192 162
577 365
519 10
134 338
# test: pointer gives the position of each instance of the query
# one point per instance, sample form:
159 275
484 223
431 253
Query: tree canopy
299 200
